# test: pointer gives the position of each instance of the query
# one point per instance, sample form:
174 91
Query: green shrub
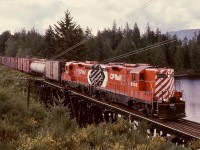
194 145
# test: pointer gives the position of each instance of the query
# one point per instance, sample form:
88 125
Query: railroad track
182 127
186 127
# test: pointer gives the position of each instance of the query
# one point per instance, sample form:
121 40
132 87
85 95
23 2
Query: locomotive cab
170 104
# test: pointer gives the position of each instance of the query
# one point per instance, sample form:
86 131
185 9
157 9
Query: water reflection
191 87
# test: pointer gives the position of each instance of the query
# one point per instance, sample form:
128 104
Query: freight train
142 87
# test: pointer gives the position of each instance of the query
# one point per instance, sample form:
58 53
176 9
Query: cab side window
141 76
70 67
134 77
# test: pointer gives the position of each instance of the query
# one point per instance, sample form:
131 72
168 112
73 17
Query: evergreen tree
90 45
68 34
151 38
11 47
186 56
99 54
136 35
107 49
16 42
171 50
88 32
34 44
126 45
116 36
146 40
113 36
195 57
3 38
178 60
198 38
50 43
127 32
157 55
20 38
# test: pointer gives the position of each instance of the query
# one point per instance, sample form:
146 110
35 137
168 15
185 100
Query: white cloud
99 14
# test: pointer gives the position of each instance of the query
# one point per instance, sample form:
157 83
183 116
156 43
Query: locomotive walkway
183 129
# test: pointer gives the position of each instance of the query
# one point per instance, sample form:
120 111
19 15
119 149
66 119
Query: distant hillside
189 33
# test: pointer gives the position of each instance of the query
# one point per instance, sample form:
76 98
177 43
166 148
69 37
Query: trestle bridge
87 109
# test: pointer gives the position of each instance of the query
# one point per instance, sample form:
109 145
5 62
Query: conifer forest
182 55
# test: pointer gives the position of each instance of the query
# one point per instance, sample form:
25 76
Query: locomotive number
83 72
134 84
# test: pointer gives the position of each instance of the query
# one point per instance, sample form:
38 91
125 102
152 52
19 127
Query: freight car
4 60
38 66
8 61
13 62
53 69
26 62
20 64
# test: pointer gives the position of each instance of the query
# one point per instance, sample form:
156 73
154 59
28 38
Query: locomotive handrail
136 94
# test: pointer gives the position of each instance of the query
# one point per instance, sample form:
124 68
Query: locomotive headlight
165 100
181 98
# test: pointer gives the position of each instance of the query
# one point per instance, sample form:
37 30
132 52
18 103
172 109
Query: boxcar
16 63
13 62
53 69
26 64
8 61
4 60
20 64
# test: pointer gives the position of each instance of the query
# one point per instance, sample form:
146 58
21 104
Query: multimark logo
97 77
115 77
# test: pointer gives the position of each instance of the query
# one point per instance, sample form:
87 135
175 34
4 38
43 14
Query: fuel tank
38 66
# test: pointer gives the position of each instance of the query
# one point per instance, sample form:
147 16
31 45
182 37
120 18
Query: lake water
191 88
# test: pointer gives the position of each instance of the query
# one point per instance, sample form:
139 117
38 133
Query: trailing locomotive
139 86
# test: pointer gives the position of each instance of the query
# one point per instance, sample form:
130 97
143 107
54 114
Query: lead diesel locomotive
141 87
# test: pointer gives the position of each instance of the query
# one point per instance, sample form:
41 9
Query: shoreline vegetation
186 72
187 75
181 75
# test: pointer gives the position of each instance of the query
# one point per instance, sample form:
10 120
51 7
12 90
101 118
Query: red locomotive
139 86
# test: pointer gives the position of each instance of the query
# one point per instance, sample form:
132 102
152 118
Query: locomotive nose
171 110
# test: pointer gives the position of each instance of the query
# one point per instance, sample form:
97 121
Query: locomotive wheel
103 96
148 112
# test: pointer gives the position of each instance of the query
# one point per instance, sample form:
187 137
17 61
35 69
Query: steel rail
173 126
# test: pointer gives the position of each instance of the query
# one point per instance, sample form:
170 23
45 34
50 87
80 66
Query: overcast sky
167 15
